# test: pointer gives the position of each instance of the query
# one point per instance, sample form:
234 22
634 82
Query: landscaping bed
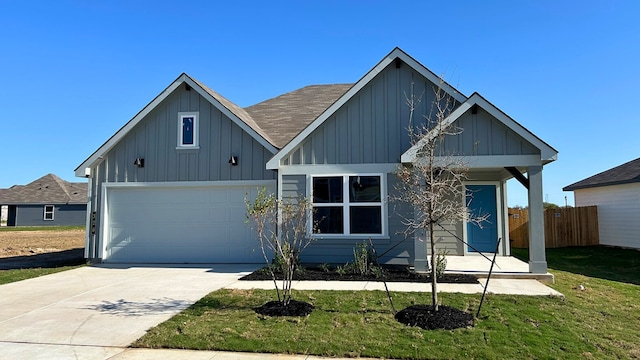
388 274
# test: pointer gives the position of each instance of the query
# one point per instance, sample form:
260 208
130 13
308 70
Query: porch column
537 258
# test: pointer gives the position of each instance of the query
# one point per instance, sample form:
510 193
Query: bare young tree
285 239
434 183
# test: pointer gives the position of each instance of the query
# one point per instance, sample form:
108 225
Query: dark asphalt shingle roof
284 116
624 174
49 189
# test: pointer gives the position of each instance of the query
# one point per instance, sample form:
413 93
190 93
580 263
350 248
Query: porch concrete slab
505 267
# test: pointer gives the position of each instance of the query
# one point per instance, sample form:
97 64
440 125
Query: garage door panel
179 225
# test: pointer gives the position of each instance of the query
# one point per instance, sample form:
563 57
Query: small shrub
325 267
441 262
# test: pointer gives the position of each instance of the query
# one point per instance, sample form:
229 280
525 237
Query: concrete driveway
93 312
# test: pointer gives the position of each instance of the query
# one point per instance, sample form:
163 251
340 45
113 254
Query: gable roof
286 115
48 189
547 153
238 115
396 53
626 173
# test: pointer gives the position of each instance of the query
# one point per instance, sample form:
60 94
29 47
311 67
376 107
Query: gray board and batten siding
154 138
482 135
372 126
368 134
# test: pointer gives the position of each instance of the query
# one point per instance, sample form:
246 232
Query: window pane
364 189
365 219
327 189
329 220
187 130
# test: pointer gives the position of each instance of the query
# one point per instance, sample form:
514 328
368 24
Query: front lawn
601 321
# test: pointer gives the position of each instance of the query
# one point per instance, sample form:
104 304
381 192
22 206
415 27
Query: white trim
499 212
337 169
52 212
196 130
485 161
274 162
347 204
172 184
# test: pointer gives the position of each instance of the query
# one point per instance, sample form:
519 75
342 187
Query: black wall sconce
233 160
139 162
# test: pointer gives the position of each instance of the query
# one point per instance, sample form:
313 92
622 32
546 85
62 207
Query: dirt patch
41 248
25 243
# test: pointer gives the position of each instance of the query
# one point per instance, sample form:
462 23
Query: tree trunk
434 279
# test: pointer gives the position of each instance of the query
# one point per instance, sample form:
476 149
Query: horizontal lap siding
63 215
618 213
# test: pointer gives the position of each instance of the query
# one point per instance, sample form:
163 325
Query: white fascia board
114 139
274 162
231 115
337 168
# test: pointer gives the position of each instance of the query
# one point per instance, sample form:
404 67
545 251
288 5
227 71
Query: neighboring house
169 186
48 201
616 193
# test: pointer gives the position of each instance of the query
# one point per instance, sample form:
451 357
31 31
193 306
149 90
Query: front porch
506 267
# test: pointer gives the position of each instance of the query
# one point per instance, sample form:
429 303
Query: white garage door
180 224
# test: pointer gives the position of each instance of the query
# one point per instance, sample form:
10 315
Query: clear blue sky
74 72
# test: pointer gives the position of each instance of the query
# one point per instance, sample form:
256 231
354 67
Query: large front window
348 204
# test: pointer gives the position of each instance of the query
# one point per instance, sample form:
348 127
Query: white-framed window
349 204
48 212
188 130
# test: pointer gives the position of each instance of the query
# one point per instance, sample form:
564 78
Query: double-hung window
188 133
348 204
48 212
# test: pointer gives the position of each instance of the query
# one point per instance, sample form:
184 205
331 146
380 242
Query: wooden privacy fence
562 227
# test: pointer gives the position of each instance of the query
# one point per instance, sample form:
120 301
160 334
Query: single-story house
48 201
616 193
169 186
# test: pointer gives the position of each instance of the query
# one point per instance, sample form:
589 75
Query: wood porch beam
518 176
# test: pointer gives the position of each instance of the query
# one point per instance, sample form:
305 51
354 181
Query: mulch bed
424 316
277 308
391 275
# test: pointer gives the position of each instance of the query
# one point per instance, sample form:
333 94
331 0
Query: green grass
40 228
603 321
8 276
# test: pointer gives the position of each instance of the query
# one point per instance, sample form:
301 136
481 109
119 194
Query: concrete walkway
96 312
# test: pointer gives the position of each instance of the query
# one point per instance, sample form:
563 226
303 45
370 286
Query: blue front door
481 200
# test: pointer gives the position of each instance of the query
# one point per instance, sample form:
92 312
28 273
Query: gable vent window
188 133
48 212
